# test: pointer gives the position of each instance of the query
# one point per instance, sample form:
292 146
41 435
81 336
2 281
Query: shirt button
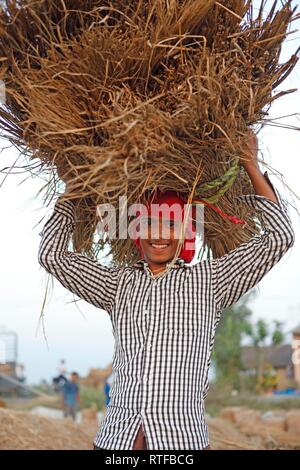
146 312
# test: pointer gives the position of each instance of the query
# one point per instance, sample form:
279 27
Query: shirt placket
149 313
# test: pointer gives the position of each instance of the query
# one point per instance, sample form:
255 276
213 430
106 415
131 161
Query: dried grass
125 97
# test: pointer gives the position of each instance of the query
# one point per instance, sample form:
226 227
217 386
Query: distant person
106 392
107 387
62 370
20 373
71 398
61 378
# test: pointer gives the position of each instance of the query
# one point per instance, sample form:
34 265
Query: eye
144 222
175 224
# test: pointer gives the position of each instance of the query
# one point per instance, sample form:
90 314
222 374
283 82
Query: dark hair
75 373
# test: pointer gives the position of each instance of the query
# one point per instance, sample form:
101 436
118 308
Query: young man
164 321
70 393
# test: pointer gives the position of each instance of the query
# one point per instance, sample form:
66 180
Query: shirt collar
141 263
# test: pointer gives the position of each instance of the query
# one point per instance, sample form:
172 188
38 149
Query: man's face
162 237
74 378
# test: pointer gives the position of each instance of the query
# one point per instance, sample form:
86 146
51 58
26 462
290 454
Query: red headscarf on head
188 249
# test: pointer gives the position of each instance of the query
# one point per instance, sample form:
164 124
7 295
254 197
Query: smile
159 247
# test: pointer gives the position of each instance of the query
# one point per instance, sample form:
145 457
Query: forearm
56 236
260 183
80 274
241 269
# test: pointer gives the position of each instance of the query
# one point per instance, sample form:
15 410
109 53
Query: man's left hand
250 154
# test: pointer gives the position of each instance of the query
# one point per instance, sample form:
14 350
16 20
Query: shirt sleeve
241 269
78 273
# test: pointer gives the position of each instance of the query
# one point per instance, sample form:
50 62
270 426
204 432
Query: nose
160 230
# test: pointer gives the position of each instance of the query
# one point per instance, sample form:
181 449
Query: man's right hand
65 176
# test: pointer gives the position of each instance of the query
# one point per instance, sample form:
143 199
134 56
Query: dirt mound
22 430
226 436
272 430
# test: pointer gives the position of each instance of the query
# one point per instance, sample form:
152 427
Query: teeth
158 246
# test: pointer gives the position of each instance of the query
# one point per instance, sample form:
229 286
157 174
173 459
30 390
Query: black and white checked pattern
164 327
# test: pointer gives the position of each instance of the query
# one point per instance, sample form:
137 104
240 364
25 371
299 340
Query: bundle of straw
125 97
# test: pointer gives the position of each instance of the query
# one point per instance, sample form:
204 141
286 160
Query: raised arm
80 274
241 269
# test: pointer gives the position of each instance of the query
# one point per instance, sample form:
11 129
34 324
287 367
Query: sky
82 334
